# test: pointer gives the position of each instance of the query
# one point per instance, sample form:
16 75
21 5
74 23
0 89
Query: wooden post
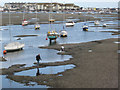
50 41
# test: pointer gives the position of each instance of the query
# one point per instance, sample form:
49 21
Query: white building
40 6
1 9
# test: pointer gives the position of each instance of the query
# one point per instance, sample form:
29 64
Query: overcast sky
78 2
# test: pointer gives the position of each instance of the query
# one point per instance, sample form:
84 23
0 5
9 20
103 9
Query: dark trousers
37 62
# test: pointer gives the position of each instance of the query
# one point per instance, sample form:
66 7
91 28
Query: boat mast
63 17
9 25
36 12
23 14
50 15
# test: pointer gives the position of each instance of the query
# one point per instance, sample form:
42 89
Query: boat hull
13 50
69 25
25 23
85 29
63 35
36 28
15 46
52 37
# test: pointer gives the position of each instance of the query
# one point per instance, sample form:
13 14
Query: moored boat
14 46
63 33
37 26
53 35
104 25
85 28
25 22
70 23
51 20
96 23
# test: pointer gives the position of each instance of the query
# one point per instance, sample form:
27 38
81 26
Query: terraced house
41 6
14 6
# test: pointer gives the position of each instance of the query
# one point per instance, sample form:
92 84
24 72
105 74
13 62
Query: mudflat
43 18
96 67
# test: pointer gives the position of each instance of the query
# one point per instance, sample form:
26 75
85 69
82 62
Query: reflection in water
46 70
7 83
62 56
27 56
38 73
52 43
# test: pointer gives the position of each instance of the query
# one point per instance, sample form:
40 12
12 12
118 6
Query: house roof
69 4
14 3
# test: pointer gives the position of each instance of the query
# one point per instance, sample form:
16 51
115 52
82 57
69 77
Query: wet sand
96 67
16 18
2 59
25 35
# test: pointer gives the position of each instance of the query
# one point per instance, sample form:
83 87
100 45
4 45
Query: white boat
63 33
96 23
25 22
14 46
70 23
104 25
101 12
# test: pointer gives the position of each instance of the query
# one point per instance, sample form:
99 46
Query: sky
83 3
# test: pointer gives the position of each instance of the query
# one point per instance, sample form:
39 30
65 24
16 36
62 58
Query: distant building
13 6
41 6
1 9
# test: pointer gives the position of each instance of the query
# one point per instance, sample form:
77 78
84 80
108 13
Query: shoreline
96 66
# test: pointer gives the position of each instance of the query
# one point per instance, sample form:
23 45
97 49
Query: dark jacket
38 57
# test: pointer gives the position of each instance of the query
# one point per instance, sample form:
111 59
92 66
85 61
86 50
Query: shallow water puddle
118 51
117 42
7 83
46 70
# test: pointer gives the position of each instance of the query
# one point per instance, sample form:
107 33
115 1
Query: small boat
104 25
53 35
14 46
51 20
25 22
70 23
96 23
85 27
63 33
18 38
37 26
101 12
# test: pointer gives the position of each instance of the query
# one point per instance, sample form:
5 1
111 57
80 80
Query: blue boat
85 27
53 35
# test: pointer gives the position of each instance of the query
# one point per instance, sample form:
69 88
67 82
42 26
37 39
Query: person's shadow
38 72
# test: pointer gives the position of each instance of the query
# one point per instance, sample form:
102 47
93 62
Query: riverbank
96 67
